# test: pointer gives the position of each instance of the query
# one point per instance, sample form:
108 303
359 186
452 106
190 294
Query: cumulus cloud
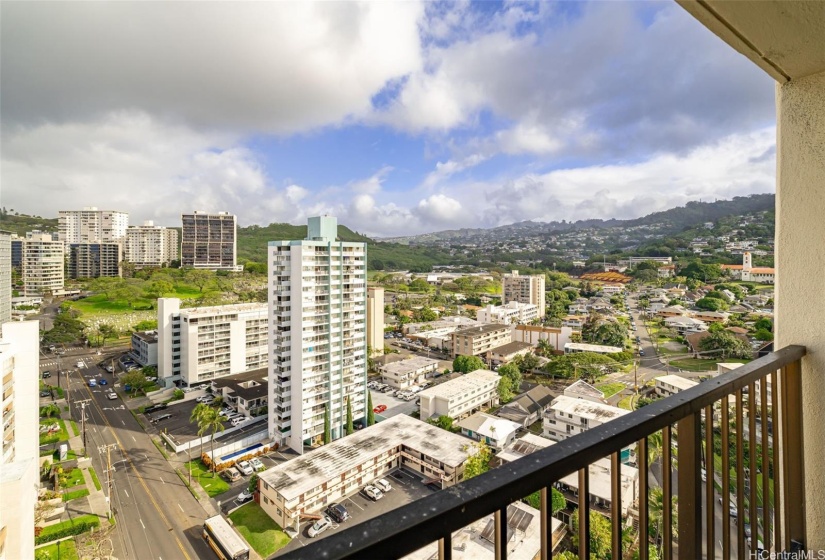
277 67
439 209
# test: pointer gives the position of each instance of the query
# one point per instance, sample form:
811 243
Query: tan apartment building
151 245
461 396
308 484
42 264
525 289
477 341
408 373
375 320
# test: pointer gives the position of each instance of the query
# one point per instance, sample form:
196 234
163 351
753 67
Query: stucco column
800 286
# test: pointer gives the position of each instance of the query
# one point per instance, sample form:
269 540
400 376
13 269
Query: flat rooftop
225 309
461 385
409 365
677 381
582 347
587 409
511 348
599 481
481 329
150 336
295 477
527 444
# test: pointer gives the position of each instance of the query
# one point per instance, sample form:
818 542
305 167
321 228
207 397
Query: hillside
21 223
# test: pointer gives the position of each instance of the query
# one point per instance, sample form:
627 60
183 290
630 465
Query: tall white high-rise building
20 460
151 245
318 342
5 277
209 241
91 225
525 289
42 265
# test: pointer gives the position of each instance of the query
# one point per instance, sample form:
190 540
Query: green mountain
21 223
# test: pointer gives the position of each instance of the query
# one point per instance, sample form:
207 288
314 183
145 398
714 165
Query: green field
610 389
60 435
74 495
98 305
698 364
61 550
259 530
212 484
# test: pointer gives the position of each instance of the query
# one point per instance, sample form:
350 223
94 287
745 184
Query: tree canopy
466 364
728 344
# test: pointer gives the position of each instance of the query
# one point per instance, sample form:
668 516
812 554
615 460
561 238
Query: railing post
690 489
792 454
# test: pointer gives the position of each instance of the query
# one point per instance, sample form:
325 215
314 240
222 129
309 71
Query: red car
380 408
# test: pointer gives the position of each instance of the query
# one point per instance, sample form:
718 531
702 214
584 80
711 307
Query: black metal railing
692 422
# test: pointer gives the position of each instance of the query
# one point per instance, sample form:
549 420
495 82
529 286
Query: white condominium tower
525 289
318 342
151 245
209 240
42 265
91 225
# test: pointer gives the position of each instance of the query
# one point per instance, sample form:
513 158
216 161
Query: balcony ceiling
784 38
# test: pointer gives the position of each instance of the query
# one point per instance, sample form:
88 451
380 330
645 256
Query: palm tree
213 423
655 512
544 348
198 417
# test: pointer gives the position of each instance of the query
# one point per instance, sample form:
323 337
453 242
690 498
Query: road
156 515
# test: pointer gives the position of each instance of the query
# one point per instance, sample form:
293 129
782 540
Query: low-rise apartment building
511 313
476 341
145 348
525 445
247 391
308 484
494 431
556 337
506 353
575 347
202 343
667 385
408 373
460 397
568 417
93 260
599 484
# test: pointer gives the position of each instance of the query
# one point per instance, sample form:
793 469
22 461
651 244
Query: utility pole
82 405
109 482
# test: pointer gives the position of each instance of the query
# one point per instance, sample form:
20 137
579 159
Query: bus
223 539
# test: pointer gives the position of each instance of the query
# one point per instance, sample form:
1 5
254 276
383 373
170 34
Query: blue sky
398 117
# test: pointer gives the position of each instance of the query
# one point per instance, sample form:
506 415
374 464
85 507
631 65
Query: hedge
69 496
69 528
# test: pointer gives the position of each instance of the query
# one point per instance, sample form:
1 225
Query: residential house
528 407
492 430
667 385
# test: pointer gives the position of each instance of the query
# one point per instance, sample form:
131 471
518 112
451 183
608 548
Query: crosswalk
66 363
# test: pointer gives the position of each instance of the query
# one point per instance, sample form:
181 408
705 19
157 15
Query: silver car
319 526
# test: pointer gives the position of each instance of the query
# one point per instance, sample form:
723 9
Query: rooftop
585 389
530 443
599 481
587 409
591 347
148 336
677 381
488 425
461 385
409 365
481 329
511 348
194 312
297 476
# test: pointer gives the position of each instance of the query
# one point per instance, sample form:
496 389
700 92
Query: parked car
383 485
92 383
380 408
244 496
112 396
109 369
80 364
319 526
338 512
102 382
47 374
373 493
238 420
245 468
204 398
45 393
231 474
257 464
160 418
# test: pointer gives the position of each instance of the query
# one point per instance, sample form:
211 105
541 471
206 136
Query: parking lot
360 508
394 405
271 459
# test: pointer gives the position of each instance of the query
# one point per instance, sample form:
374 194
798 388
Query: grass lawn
212 484
75 429
54 437
259 530
52 532
698 364
610 389
72 478
625 402
75 494
98 305
70 455
61 550
95 480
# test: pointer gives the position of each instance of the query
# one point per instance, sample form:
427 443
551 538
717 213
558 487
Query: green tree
557 501
214 424
610 334
513 373
655 512
716 327
444 422
370 411
350 427
763 323
505 389
159 285
728 344
601 539
135 379
327 431
199 277
199 416
479 462
526 363
712 304
466 364
252 487
425 314
763 335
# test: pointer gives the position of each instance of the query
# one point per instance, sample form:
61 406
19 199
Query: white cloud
445 170
439 210
372 184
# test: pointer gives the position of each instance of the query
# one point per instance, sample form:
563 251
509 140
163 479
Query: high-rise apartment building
5 277
318 341
209 241
151 245
20 460
91 225
93 260
42 265
375 320
525 289
203 343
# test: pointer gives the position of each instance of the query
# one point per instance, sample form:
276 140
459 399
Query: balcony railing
692 421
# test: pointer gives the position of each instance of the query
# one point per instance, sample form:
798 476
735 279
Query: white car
238 420
373 493
319 526
245 468
112 396
80 364
257 464
383 485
